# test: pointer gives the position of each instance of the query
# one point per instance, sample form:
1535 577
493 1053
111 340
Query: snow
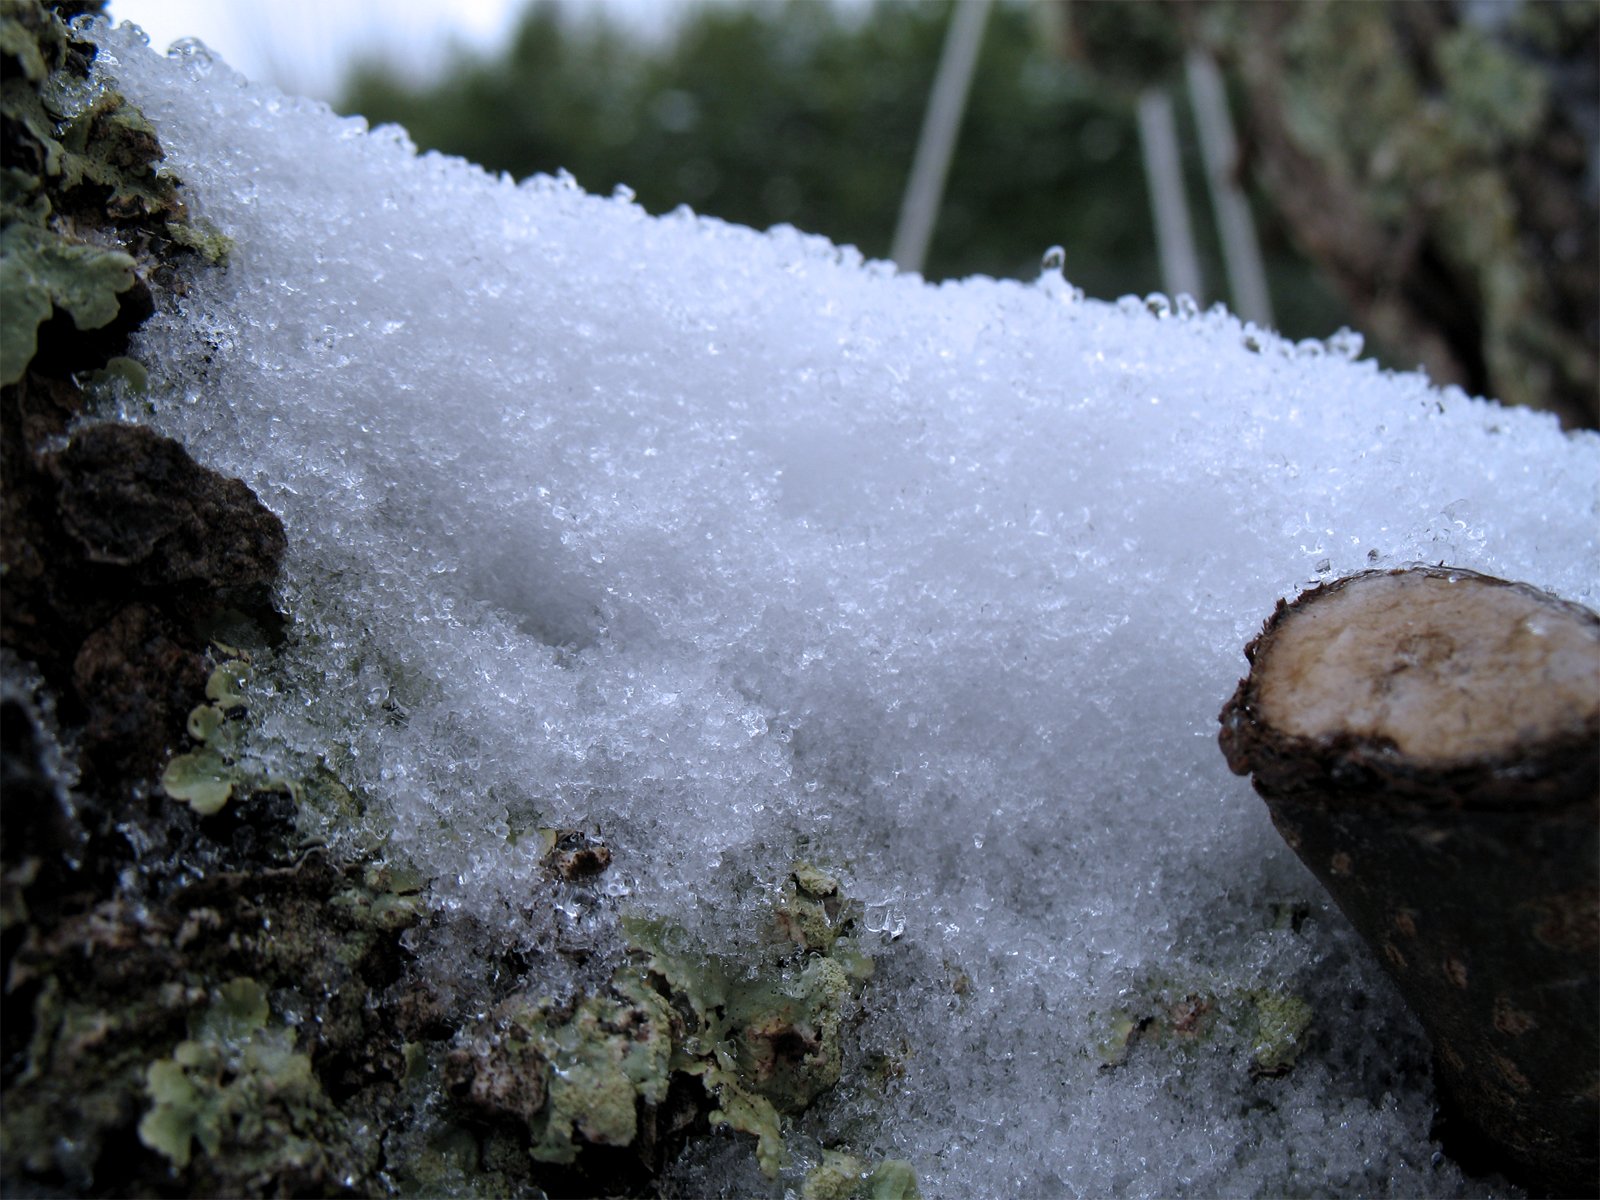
733 549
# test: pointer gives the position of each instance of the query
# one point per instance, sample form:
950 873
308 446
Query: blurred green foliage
807 113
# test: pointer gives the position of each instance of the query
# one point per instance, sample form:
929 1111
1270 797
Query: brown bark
1428 742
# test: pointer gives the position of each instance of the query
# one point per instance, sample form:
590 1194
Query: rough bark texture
1440 169
1428 742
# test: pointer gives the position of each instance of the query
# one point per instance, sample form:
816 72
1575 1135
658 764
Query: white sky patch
304 47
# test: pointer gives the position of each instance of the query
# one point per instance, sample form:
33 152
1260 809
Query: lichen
762 1039
206 777
1281 1022
80 171
767 1044
1456 153
237 1086
1264 1027
841 1176
614 1052
41 271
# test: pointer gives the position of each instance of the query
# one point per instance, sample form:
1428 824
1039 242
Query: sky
304 46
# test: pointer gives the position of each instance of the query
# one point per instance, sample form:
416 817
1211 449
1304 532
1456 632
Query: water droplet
1157 304
623 193
192 49
1188 307
1346 343
1054 260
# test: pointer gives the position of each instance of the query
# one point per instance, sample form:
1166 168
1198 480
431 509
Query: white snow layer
734 549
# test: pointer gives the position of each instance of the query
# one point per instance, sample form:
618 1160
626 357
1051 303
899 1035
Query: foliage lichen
841 1176
80 169
763 1039
206 777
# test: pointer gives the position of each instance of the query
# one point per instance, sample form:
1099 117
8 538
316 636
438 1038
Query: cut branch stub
1428 742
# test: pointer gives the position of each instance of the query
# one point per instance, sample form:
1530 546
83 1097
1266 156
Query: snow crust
734 548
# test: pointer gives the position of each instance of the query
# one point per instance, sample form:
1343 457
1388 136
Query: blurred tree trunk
1441 172
1437 164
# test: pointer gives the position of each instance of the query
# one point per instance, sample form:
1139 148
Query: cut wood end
1419 673
1428 743
1447 666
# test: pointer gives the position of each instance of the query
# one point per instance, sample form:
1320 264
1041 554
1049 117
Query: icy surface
734 548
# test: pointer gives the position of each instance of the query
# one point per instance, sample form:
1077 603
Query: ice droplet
1346 343
193 51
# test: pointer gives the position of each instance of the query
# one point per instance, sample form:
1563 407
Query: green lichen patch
41 271
612 1054
203 779
238 1086
841 1176
1418 153
237 1031
1265 1027
768 1043
1281 1021
812 909
228 684
218 768
85 214
754 1041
